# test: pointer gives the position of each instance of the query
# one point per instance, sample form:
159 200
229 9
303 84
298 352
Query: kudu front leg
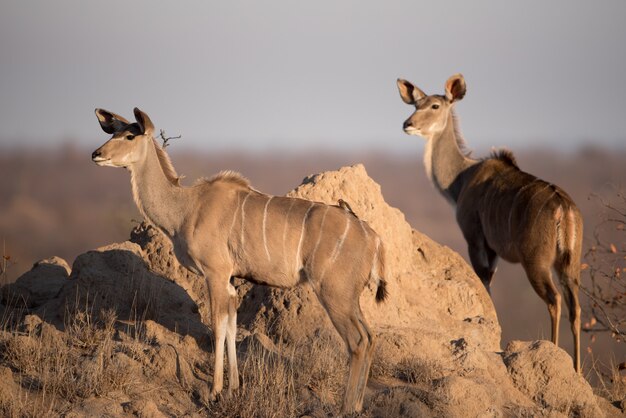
231 338
484 261
223 299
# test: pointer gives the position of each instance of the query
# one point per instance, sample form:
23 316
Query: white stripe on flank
488 197
513 207
232 225
337 249
243 218
302 236
286 225
319 237
533 196
264 227
539 211
367 235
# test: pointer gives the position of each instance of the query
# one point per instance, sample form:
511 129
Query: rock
31 323
402 402
37 285
99 407
143 408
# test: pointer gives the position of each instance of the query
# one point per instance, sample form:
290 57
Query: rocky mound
438 347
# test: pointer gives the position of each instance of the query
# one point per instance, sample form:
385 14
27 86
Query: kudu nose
95 154
407 124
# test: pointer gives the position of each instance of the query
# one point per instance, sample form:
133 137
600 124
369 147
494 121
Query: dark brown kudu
222 228
502 210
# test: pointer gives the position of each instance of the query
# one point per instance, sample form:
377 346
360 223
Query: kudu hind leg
570 294
540 278
369 355
360 347
351 327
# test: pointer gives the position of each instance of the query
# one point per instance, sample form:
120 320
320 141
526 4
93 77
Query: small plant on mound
382 365
410 369
414 370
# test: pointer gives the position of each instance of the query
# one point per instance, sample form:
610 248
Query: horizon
409 148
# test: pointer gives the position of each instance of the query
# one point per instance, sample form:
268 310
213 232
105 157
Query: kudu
501 210
223 228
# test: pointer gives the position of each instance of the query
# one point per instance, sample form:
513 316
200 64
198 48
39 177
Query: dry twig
166 139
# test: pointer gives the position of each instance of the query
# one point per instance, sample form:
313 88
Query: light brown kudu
222 228
501 210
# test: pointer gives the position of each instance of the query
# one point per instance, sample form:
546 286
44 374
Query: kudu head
432 113
129 143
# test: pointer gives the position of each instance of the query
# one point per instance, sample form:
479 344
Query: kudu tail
378 273
569 238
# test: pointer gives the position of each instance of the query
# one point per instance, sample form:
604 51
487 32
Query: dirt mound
536 369
438 346
118 278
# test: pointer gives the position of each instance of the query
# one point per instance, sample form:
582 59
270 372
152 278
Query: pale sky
293 75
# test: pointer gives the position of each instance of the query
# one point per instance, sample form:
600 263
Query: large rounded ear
145 124
409 93
110 122
455 88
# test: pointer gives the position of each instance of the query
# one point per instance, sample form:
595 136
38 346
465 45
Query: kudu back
501 210
223 228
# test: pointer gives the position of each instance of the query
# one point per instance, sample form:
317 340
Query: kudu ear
409 93
455 88
110 122
145 124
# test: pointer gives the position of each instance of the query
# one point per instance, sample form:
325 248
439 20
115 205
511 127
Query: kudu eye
435 106
130 137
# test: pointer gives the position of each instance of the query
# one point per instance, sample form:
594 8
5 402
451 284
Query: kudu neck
447 160
160 201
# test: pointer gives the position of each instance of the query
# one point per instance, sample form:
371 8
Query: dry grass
52 371
410 369
268 387
382 365
323 368
414 370
610 382
292 381
54 368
